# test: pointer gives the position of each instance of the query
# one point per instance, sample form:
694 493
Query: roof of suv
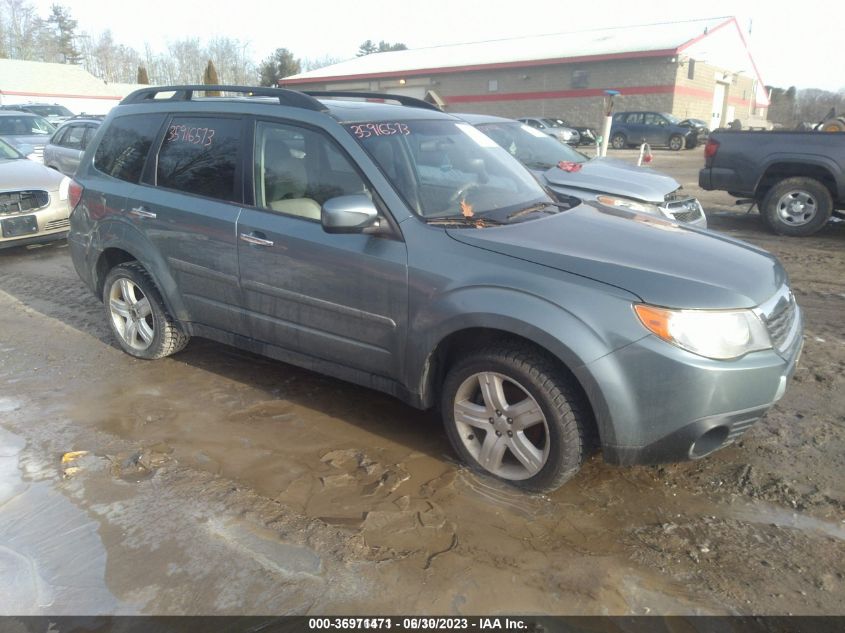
345 107
18 113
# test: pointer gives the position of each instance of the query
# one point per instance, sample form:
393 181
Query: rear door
187 205
340 298
68 151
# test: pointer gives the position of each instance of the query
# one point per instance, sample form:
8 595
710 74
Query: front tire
676 143
513 413
137 316
797 207
618 141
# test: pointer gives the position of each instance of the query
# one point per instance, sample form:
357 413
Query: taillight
710 149
74 194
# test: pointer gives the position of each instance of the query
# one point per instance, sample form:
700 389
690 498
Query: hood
36 140
19 174
616 177
663 263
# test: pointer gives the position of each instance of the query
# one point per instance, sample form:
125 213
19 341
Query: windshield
25 126
7 152
671 118
554 123
50 110
447 168
531 147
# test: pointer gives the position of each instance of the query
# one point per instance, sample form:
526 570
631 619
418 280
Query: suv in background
65 149
22 129
400 248
554 128
53 112
655 128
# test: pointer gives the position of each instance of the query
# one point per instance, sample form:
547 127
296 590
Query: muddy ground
216 481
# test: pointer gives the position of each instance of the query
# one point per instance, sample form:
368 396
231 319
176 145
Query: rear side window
199 155
125 145
73 139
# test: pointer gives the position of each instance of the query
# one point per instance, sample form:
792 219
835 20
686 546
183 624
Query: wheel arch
782 169
118 243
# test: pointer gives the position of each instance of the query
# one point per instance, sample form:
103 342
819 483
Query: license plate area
21 225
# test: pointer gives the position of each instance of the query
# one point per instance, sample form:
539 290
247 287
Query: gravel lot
216 481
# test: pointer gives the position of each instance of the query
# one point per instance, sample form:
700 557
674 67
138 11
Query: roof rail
404 100
185 93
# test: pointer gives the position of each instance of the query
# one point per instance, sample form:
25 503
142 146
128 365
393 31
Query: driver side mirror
349 214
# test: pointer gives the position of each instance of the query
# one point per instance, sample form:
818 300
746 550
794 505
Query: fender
563 334
121 234
815 160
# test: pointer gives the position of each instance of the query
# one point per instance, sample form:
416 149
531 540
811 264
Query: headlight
719 334
630 205
64 185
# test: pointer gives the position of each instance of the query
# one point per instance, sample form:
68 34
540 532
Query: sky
791 43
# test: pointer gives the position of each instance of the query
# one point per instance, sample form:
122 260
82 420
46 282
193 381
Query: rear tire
539 435
137 316
797 207
834 125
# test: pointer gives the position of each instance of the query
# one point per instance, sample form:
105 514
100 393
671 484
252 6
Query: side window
297 170
58 137
123 150
199 155
534 123
73 138
635 118
90 131
652 118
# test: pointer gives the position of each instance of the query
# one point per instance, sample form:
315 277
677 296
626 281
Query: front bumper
51 223
656 403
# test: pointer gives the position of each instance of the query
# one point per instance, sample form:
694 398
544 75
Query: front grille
687 216
57 224
779 323
14 202
682 207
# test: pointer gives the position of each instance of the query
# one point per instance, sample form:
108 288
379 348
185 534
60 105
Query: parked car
605 181
21 128
53 112
66 146
554 128
796 179
33 200
655 128
586 135
398 247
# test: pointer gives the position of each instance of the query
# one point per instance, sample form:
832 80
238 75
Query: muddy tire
137 316
676 142
618 141
834 125
797 207
513 413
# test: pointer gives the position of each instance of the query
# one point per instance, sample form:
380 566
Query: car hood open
615 177
661 262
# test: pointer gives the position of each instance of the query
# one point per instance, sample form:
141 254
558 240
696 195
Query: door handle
252 238
142 212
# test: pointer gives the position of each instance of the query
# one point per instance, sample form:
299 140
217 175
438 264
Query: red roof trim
697 39
473 67
46 94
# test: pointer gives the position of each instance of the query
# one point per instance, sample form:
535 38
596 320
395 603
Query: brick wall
663 85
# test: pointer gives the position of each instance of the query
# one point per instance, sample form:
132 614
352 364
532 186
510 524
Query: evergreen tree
209 78
143 78
280 64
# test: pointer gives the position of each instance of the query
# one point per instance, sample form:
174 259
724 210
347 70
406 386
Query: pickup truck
797 179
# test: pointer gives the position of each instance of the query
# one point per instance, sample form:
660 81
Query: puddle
782 517
52 560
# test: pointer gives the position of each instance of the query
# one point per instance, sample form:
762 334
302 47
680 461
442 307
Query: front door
340 298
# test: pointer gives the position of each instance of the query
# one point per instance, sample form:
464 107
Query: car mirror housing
349 214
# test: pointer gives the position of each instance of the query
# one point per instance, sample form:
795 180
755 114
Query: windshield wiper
461 220
534 208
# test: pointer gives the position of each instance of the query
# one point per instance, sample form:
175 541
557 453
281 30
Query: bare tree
22 30
313 63
232 59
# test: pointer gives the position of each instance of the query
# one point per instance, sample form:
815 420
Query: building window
691 69
493 85
580 78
